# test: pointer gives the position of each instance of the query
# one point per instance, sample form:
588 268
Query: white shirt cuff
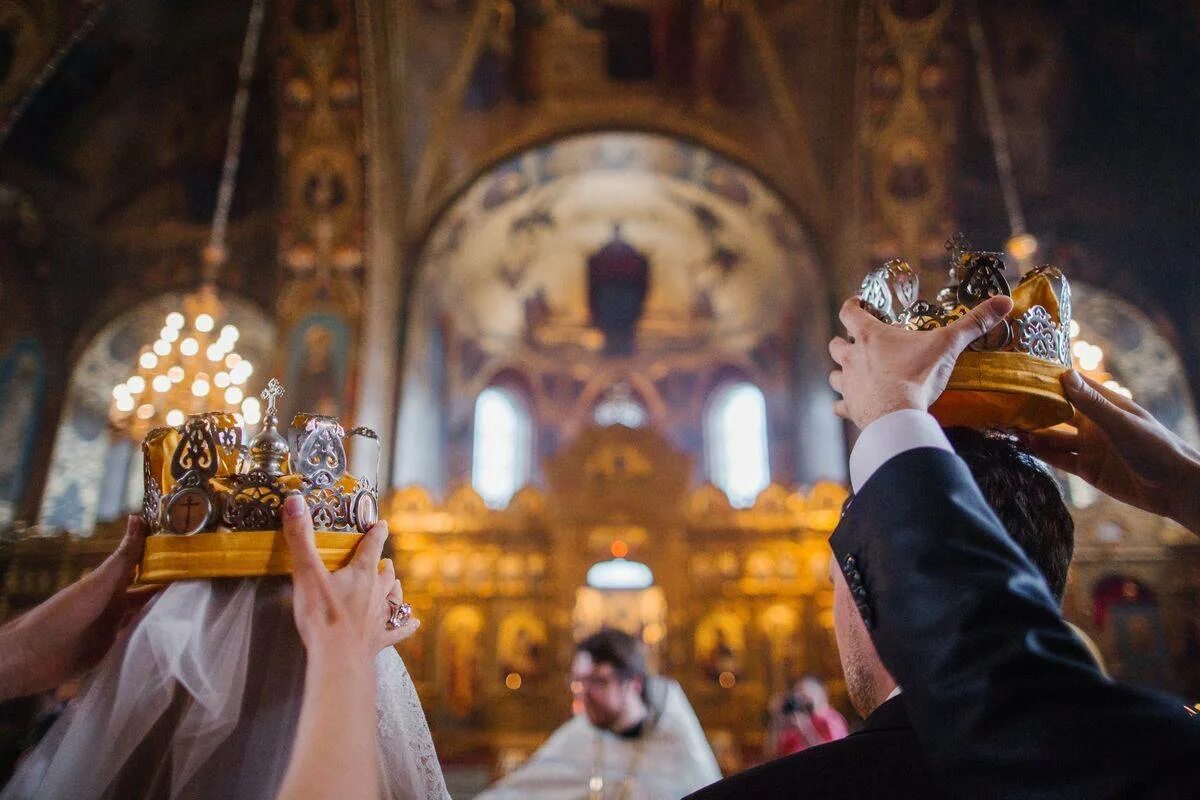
888 437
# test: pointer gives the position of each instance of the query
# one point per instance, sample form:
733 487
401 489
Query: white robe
674 759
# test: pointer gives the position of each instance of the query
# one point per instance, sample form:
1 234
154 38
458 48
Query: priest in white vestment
637 737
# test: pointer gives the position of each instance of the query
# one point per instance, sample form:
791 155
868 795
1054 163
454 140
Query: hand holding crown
213 506
982 354
884 368
1121 449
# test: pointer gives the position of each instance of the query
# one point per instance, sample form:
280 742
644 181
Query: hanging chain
215 254
43 77
995 121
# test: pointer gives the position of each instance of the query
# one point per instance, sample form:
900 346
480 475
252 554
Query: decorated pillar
908 121
321 228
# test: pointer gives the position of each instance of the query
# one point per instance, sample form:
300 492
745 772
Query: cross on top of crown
271 394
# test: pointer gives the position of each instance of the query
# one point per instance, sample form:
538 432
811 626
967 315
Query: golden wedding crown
1009 378
213 504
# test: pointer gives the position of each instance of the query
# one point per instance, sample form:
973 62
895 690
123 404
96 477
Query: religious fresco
720 643
504 77
317 362
22 381
522 646
658 263
83 458
460 656
907 131
694 220
322 229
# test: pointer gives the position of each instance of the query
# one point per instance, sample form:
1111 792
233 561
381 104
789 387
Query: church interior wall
862 124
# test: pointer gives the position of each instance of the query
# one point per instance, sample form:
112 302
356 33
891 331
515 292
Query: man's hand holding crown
884 368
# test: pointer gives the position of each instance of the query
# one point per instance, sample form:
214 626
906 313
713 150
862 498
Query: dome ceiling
508 263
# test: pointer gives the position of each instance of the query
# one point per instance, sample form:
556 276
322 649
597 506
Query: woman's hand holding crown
343 614
1121 449
345 619
71 632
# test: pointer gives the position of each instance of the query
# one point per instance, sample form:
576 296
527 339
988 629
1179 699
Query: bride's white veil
200 700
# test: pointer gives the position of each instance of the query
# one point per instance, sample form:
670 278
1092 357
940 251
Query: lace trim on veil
410 764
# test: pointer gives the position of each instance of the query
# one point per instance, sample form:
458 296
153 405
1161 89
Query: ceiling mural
573 247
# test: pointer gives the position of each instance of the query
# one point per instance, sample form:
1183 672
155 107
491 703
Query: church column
908 123
382 29
322 225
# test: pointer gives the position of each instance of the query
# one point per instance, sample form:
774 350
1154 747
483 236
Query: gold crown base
1005 391
240 554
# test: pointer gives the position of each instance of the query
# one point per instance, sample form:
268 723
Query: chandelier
193 365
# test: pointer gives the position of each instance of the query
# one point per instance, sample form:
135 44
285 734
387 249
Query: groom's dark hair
622 651
1026 498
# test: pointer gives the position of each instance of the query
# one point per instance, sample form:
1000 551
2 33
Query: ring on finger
400 613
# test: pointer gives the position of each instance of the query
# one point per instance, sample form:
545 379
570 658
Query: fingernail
294 506
1073 381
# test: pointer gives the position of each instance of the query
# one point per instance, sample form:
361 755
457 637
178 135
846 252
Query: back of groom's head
1025 496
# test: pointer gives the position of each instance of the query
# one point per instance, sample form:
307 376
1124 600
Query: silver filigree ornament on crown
1009 377
213 483
1037 328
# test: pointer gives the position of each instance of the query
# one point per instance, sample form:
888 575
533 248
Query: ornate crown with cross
213 504
1009 378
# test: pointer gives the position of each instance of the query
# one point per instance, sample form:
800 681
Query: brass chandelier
193 365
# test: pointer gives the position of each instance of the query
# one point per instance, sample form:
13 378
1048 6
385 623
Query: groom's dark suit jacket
881 760
1004 699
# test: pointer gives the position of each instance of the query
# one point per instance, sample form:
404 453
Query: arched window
736 442
502 451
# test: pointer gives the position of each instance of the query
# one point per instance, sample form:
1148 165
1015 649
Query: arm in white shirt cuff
888 437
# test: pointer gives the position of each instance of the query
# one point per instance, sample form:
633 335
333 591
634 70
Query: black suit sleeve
1004 698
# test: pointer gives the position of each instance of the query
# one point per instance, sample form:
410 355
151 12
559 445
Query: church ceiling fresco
513 261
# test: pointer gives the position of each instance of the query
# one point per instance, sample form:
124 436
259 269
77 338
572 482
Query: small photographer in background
807 719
